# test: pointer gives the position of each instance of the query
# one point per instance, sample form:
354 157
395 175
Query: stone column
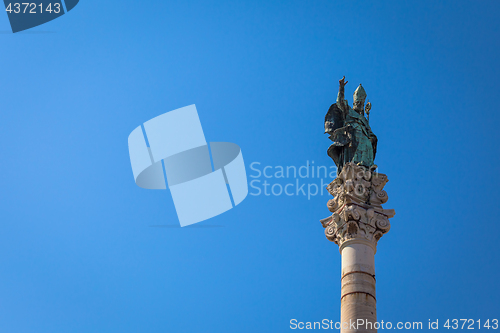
357 223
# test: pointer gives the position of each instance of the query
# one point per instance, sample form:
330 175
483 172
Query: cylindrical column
356 225
358 303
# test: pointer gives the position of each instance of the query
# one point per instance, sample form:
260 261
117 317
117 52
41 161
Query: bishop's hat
359 94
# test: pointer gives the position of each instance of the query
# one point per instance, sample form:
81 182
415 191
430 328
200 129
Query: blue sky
83 249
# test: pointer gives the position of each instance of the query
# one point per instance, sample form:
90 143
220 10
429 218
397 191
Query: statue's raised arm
341 101
335 116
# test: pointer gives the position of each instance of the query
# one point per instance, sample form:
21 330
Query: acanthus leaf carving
357 205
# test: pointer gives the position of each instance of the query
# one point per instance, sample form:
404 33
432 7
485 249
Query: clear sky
83 249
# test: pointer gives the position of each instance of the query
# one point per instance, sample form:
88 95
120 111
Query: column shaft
358 303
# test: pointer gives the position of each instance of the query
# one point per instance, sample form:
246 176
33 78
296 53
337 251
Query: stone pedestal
357 223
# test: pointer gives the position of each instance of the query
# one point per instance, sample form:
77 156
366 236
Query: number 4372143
470 324
32 8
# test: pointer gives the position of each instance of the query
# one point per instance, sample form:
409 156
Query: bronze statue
353 139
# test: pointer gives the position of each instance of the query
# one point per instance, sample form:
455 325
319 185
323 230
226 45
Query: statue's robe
364 153
353 139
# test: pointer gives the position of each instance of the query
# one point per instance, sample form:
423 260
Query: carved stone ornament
357 206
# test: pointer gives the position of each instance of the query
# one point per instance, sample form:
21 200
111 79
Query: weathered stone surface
357 222
357 205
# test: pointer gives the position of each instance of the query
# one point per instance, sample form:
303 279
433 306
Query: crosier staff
368 107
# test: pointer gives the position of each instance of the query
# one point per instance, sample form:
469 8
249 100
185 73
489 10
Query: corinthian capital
357 206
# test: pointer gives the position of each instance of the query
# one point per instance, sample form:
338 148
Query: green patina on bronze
353 139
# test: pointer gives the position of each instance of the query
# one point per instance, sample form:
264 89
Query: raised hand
342 83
